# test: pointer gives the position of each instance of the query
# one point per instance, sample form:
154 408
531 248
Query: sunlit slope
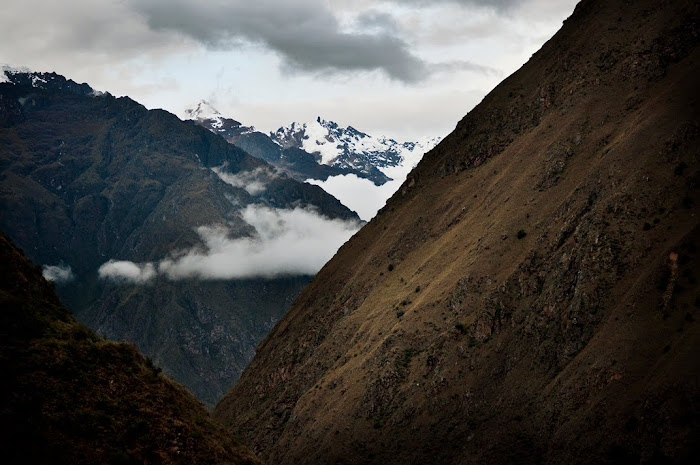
530 294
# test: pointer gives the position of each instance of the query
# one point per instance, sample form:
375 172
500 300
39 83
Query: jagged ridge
315 150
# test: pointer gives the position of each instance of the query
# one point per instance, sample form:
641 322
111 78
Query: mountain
70 397
349 148
530 294
316 150
157 231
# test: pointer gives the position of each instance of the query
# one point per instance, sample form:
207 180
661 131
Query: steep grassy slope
530 295
70 397
85 179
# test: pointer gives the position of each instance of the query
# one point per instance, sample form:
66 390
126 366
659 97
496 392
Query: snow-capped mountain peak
208 116
347 147
205 111
360 170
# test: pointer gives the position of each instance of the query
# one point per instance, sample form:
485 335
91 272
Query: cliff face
530 294
70 397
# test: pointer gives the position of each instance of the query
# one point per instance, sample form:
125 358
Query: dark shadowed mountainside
530 295
88 178
71 397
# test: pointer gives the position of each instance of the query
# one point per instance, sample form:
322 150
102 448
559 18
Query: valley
528 293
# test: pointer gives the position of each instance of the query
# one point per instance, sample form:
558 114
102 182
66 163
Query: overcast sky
402 68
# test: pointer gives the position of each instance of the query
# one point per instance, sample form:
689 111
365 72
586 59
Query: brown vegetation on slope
70 397
530 294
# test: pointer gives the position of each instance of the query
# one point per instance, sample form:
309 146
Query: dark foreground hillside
530 295
70 397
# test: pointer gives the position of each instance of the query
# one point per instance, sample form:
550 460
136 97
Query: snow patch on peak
6 70
38 80
319 139
15 69
212 119
346 147
204 110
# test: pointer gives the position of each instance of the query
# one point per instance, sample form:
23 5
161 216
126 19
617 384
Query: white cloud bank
358 194
58 273
362 195
287 243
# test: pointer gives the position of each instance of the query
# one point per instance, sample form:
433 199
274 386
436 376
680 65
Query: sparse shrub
390 267
154 368
521 234
405 361
680 169
646 227
461 328
400 313
592 198
417 289
82 333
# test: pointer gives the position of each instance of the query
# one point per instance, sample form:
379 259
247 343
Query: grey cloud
377 21
495 4
103 28
310 36
307 35
454 66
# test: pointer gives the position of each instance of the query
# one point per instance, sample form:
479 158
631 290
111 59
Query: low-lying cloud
58 273
125 271
358 194
287 243
254 182
362 195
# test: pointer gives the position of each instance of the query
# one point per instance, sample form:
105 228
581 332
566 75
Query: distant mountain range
157 231
317 149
